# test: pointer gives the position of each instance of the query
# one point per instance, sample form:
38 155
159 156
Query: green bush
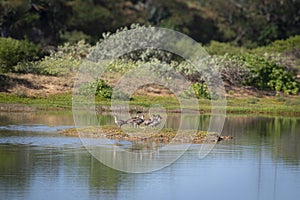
98 87
199 90
14 51
59 63
263 72
121 66
280 46
266 74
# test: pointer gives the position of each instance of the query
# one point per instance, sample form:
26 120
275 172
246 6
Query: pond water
260 162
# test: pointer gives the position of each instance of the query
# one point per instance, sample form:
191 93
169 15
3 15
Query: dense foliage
248 23
266 74
98 87
272 70
14 51
65 60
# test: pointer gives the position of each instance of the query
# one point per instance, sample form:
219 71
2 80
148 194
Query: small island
165 135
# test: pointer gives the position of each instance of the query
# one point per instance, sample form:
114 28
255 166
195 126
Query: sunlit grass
270 105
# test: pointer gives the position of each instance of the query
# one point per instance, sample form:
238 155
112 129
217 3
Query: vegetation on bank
274 70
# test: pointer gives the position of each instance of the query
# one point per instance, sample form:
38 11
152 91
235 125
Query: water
260 162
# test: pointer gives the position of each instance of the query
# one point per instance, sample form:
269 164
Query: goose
148 121
156 121
132 120
139 121
119 122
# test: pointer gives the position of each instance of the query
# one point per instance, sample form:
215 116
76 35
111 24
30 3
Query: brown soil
246 91
32 85
35 85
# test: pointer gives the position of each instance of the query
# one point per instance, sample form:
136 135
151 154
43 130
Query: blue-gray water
260 162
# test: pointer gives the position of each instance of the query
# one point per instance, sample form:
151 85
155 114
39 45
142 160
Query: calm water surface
261 162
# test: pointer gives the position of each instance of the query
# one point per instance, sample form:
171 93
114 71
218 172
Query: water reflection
278 135
261 162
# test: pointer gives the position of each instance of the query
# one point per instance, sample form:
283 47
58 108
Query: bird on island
135 122
119 122
132 121
139 121
156 121
149 121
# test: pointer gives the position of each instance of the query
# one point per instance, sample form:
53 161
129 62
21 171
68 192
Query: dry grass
31 85
161 136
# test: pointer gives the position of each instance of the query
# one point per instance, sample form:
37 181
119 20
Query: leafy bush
199 89
121 66
98 87
232 69
262 72
102 89
61 62
14 51
119 43
282 80
266 74
280 46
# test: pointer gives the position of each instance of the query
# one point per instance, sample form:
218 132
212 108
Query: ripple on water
34 128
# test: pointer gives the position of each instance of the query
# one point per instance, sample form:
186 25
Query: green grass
288 106
57 101
272 105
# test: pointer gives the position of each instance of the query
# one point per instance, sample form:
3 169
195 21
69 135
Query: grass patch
55 101
288 106
273 105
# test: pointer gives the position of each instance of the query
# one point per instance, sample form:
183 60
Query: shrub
121 66
119 42
280 46
232 69
220 48
14 51
98 87
199 90
262 72
102 89
266 74
61 62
